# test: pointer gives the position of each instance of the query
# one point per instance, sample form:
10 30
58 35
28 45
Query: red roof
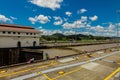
11 27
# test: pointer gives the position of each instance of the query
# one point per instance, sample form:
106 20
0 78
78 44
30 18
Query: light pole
118 11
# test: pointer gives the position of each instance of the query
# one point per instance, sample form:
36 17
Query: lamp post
118 11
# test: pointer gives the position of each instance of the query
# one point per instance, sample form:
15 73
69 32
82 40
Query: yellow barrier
112 74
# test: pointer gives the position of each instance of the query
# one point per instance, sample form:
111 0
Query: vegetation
66 38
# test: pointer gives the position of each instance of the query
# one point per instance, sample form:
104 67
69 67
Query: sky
95 17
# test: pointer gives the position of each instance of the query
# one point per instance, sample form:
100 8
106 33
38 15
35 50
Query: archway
34 43
19 44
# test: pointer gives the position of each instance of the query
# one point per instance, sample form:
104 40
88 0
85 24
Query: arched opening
34 43
19 44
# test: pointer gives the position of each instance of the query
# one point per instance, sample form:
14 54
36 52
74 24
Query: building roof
17 28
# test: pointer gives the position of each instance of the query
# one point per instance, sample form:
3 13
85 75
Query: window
30 33
26 33
34 33
19 33
9 32
34 43
14 32
18 44
3 32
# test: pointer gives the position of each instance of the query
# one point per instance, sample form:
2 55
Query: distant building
18 36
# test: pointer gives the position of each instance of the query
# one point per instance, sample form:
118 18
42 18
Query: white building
18 36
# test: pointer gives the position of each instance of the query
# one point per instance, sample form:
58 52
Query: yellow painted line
112 74
39 73
47 77
3 71
26 70
118 62
70 72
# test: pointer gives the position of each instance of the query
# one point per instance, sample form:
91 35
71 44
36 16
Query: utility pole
118 11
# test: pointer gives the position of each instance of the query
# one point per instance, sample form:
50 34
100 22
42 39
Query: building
18 36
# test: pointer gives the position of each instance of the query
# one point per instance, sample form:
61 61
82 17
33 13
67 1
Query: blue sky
96 17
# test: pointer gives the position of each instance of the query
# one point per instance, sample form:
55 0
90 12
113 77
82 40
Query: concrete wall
6 42
9 56
27 55
11 40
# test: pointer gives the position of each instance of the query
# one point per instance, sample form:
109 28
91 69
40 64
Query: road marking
47 77
112 74
118 62
3 71
26 70
63 67
70 72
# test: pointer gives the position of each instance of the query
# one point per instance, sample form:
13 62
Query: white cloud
33 20
94 18
68 25
4 18
98 28
13 18
84 18
40 27
81 11
52 4
68 13
58 20
41 19
111 27
57 31
71 32
103 31
76 24
117 24
49 32
46 32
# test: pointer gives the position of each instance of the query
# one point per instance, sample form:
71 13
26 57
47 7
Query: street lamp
118 11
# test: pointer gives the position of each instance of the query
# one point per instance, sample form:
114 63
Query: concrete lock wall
15 56
9 56
27 55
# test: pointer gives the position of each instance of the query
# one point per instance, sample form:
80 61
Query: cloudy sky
96 17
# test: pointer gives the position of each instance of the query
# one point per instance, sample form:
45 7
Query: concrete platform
97 70
66 60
